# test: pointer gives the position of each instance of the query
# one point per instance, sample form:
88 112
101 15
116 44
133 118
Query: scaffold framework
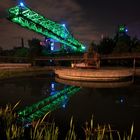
30 19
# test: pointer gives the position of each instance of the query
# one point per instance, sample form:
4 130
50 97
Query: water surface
119 107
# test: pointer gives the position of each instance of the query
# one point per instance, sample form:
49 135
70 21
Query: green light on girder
28 18
49 104
122 28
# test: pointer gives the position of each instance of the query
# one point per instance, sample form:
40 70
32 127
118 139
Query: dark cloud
3 14
64 11
106 15
72 13
86 19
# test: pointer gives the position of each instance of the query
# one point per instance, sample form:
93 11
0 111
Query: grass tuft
11 129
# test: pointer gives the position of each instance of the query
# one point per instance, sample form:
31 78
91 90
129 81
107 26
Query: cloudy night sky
87 20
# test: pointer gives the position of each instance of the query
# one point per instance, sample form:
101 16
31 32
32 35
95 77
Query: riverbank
10 70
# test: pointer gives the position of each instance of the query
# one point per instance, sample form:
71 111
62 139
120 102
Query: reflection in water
119 107
121 100
52 86
49 104
53 91
93 84
65 101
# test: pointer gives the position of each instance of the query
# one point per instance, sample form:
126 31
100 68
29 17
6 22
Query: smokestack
22 42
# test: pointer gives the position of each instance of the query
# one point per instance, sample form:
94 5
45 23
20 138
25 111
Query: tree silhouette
35 49
1 50
91 48
122 44
21 52
106 46
135 45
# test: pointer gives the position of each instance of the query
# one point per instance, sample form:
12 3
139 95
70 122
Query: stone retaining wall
94 75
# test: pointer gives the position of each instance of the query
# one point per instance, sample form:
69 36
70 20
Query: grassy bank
20 72
11 129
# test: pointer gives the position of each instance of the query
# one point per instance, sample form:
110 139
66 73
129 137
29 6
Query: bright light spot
64 105
83 47
47 40
52 44
63 25
121 101
126 30
52 48
52 86
21 4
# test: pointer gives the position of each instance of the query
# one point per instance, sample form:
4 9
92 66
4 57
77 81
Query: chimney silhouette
22 42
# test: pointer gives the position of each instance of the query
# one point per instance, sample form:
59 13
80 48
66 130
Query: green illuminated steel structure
122 28
49 104
28 18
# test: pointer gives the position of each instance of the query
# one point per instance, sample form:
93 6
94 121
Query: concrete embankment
109 74
137 72
8 70
97 78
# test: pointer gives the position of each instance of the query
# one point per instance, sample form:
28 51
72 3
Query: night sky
87 20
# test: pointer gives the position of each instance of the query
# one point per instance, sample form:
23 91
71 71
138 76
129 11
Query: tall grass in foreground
104 132
10 129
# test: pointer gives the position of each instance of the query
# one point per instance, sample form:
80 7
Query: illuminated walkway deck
93 74
96 78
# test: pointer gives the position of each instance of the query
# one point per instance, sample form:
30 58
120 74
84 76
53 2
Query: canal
119 107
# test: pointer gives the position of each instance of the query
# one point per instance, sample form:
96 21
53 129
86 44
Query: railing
10 59
69 58
121 56
102 57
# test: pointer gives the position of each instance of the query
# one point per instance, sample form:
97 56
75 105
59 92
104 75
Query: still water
119 107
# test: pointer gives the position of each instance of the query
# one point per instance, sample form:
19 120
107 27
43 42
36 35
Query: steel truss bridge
31 20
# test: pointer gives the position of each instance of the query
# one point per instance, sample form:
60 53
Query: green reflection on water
48 104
